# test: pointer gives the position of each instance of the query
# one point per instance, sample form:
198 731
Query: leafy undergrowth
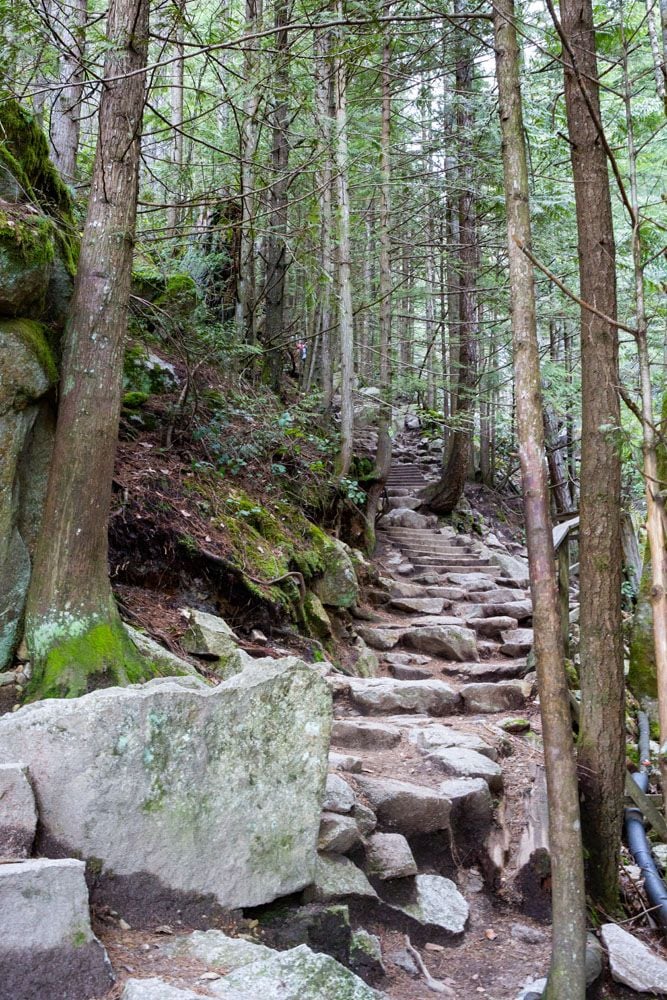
218 488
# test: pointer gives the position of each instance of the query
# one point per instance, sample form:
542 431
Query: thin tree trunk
345 325
384 447
176 95
567 979
444 495
66 110
276 259
245 292
324 103
73 629
602 723
659 61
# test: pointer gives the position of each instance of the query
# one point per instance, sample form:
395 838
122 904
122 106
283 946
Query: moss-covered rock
210 636
28 243
338 586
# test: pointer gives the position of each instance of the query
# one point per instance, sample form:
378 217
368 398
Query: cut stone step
451 641
406 807
498 596
379 638
436 737
460 762
344 762
502 696
407 659
472 581
492 627
521 610
485 671
388 856
364 734
382 695
405 672
472 809
419 605
517 643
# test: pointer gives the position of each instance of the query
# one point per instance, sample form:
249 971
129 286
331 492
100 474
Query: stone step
420 605
487 670
495 696
517 642
437 559
383 695
492 628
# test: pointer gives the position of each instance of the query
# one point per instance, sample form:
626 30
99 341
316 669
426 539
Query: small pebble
123 924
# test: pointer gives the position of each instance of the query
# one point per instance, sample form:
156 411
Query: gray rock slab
364 734
419 605
216 950
501 696
403 517
436 737
297 974
210 635
450 641
156 781
18 813
404 672
472 581
517 642
520 610
487 670
386 694
492 627
406 807
512 567
449 593
499 595
338 796
344 762
335 878
388 856
338 834
632 962
166 660
158 989
471 808
47 946
379 638
432 901
459 762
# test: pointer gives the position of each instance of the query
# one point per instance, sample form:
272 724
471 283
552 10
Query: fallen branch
433 984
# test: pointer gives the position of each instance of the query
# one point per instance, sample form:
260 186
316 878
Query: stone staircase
419 750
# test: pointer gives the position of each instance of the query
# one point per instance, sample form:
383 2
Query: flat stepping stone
379 638
405 672
430 620
521 610
437 737
216 950
337 877
472 581
450 641
449 593
405 807
487 671
460 762
517 642
401 588
633 963
407 659
431 901
419 605
502 696
492 627
384 694
364 734
388 856
498 596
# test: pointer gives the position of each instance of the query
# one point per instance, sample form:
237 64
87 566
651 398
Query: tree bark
73 629
177 105
444 495
324 103
567 974
345 325
602 726
276 261
66 110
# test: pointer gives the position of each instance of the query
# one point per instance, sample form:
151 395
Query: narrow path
423 745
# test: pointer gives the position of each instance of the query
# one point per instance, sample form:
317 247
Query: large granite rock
216 950
18 815
633 963
512 567
153 784
404 517
47 947
451 641
388 856
211 636
335 878
459 762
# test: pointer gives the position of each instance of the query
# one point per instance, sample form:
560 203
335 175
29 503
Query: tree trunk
73 629
384 447
444 495
602 726
324 103
345 328
66 110
567 974
276 260
176 94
